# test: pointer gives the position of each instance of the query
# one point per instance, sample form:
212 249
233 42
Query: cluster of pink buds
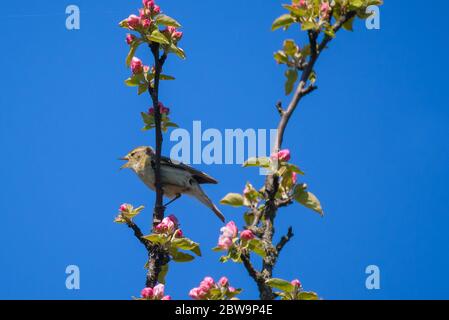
325 9
144 20
173 33
137 66
162 110
228 234
283 155
156 293
203 291
168 225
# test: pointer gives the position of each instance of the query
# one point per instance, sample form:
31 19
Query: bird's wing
199 176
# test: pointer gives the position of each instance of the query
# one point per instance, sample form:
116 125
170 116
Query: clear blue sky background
373 141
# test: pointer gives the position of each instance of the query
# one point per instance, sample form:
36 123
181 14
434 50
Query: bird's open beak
126 165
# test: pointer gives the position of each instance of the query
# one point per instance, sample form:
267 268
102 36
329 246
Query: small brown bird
176 178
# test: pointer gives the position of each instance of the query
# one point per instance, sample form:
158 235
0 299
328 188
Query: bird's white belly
174 181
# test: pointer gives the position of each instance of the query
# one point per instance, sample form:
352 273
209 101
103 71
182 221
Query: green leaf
143 87
156 238
166 77
132 52
178 256
256 245
187 244
308 199
292 76
217 249
283 21
262 162
233 199
167 21
157 36
290 47
178 51
308 25
308 296
132 82
163 274
280 57
280 284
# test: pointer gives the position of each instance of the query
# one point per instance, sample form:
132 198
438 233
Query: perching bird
176 178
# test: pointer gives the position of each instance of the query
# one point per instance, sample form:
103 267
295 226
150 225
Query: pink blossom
166 225
177 35
230 230
124 207
283 155
197 293
158 291
147 293
209 281
133 21
130 38
225 242
296 283
223 281
231 289
136 65
302 3
247 235
166 298
162 110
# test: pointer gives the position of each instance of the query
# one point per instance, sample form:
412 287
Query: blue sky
373 141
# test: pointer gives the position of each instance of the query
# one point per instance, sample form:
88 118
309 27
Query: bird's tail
203 198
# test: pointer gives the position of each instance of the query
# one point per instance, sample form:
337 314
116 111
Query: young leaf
167 21
283 21
292 76
262 162
187 244
163 274
280 284
307 296
156 238
157 36
178 256
233 199
308 199
132 52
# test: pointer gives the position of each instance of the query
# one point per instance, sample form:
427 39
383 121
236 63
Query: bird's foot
173 200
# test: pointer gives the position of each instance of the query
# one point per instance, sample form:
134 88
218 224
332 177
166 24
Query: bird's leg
173 200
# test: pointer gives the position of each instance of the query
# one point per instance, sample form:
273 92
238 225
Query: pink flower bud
325 8
148 3
171 217
247 235
156 9
224 282
147 293
302 3
294 177
177 35
146 23
296 283
130 38
158 291
283 155
179 234
210 281
124 207
166 298
133 22
231 289
136 65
